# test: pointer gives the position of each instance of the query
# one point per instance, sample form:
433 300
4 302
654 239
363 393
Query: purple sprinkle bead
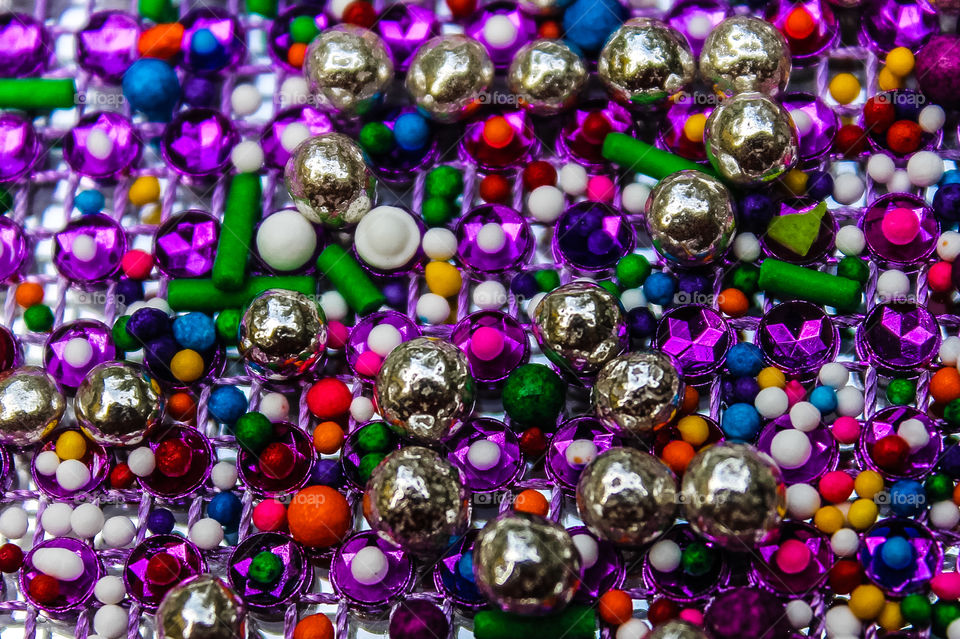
25 46
198 142
418 619
108 45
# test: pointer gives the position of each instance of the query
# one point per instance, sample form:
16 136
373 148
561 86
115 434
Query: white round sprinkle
336 8
953 630
699 26
83 247
546 203
634 198
118 531
439 244
245 99
848 188
224 475
790 448
46 463
849 402
580 452
160 304
900 182
275 406
932 118
746 247
632 629
835 375
803 500
293 134
87 520
294 91
771 402
483 454
334 306
141 461
631 298
914 433
109 589
99 144
948 246
59 563
387 238
851 240
369 566
665 556
802 121
383 338
925 168
799 613
880 168
77 352
533 303
206 533
286 240
950 351
588 548
944 515
433 309
840 621
110 622
572 179
72 474
804 416
845 542
893 285
362 409
489 295
55 519
491 238
247 157
499 31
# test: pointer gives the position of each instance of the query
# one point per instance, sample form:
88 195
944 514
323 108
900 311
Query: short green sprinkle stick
790 281
204 296
576 622
350 280
241 213
635 155
37 93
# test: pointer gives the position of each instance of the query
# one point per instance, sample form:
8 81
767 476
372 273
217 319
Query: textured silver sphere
424 388
734 495
282 335
627 496
745 54
31 405
580 327
329 181
347 68
637 392
449 76
117 403
201 607
416 500
751 139
676 629
547 76
525 564
690 218
644 62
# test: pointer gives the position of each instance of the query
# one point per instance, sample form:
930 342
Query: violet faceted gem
73 594
746 613
25 46
418 619
397 580
816 141
492 430
108 45
77 260
518 239
915 577
19 146
198 142
185 245
922 245
695 19
315 120
140 588
403 28
526 30
95 333
822 558
270 598
798 337
102 145
886 422
697 336
888 24
899 336
592 236
13 248
227 30
279 37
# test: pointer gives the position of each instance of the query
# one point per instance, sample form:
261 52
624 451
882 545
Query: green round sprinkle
374 438
611 286
367 464
534 394
266 8
253 431
121 337
38 318
376 138
303 29
6 200
901 392
938 487
547 279
445 182
437 211
944 613
696 559
265 568
951 413
227 324
916 609
853 268
745 278
632 270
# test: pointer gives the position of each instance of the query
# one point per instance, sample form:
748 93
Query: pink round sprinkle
270 515
946 585
846 430
692 615
940 277
368 364
793 557
795 392
900 226
337 335
137 264
486 343
600 188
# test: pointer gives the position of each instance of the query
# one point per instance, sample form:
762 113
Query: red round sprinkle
890 453
137 264
121 477
163 569
878 114
595 127
11 558
850 140
800 24
44 589
662 611
836 486
329 398
276 460
533 443
462 8
537 174
495 188
173 458
360 13
844 576
904 136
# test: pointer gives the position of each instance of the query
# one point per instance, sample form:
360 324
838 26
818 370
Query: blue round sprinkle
225 508
160 521
327 472
411 132
151 86
588 23
89 201
907 498
896 553
195 330
740 422
659 288
824 398
745 360
204 42
465 565
227 404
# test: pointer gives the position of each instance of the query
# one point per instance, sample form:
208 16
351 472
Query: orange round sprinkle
316 626
161 41
181 407
945 385
319 517
29 294
327 437
677 455
531 501
296 53
799 24
615 607
691 400
497 132
956 494
733 302
550 30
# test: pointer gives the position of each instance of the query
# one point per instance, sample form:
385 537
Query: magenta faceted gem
25 46
95 333
14 246
280 38
592 236
198 142
911 253
526 30
518 241
899 335
185 245
817 140
108 45
695 19
227 30
888 24
403 28
89 248
19 146
697 336
102 145
316 121
798 337
274 597
141 588
73 594
825 34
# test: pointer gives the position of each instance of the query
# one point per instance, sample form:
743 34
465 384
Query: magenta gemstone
823 123
73 594
198 142
86 159
899 336
227 30
108 45
95 459
403 28
95 333
25 46
825 35
572 142
926 551
695 19
316 121
14 246
19 146
901 254
295 579
196 473
592 236
11 353
279 37
186 244
526 30
798 337
79 266
888 24
886 422
823 456
485 429
418 619
516 347
697 336
140 588
398 579
769 574
473 147
517 247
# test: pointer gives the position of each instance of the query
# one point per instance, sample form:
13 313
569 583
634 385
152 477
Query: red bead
904 136
836 486
11 558
595 127
662 611
121 477
329 398
550 30
539 173
533 443
360 13
878 114
939 277
276 460
800 24
163 569
44 589
844 576
173 458
462 8
495 188
850 140
890 453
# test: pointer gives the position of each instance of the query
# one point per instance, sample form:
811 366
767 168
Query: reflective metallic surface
31 405
424 388
329 181
202 607
347 68
744 53
547 76
415 499
541 7
449 76
627 496
645 61
525 564
690 218
676 629
580 326
750 139
282 334
734 495
637 392
117 403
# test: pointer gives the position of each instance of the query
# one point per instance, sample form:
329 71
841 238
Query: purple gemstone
821 245
585 427
507 469
11 356
938 69
518 239
280 39
351 455
418 619
198 142
25 46
697 336
592 236
95 459
823 455
397 581
525 27
886 422
316 121
13 248
96 334
899 336
473 147
916 577
201 460
672 137
270 599
825 35
746 613
605 574
261 484
357 342
147 593
82 262
73 594
102 145
821 560
403 28
19 146
798 337
108 45
185 245
900 254
816 141
695 19
448 580
574 144
400 166
516 347
227 30
680 586
888 24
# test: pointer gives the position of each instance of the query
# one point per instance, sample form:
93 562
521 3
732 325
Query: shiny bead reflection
31 405
449 76
117 403
744 53
347 68
282 335
638 392
547 76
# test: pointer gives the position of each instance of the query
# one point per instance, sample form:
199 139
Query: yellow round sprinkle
771 377
866 602
693 127
693 429
845 88
900 62
152 214
890 618
144 190
443 278
887 81
187 365
868 483
863 513
71 445
828 519
795 181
